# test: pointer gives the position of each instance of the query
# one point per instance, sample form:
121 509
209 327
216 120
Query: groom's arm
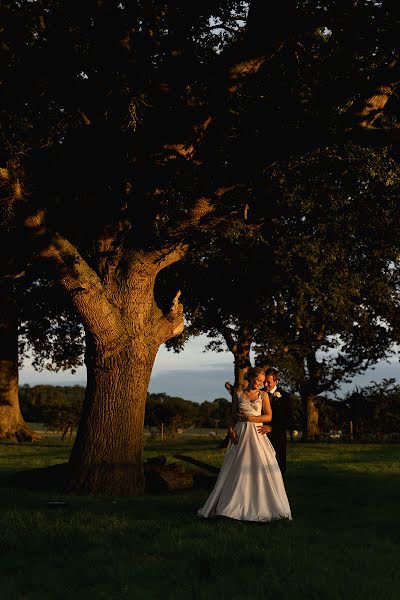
263 429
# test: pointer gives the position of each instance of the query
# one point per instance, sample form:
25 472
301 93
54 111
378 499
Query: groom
282 416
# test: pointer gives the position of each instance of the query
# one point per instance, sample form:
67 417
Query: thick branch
382 88
77 278
226 333
371 107
159 259
200 215
172 323
265 34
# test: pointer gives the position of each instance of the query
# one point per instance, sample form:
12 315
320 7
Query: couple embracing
250 485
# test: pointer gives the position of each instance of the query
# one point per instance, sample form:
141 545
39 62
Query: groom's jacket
282 410
282 419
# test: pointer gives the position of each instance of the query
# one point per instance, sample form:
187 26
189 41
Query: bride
250 485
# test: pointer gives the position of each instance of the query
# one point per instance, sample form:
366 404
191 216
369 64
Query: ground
343 542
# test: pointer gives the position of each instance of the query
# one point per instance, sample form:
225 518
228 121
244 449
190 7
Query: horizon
194 374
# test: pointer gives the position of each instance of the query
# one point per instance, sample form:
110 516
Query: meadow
342 543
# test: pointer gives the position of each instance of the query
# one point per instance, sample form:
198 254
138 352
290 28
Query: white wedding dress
249 485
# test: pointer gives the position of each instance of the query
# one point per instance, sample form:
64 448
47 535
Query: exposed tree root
20 433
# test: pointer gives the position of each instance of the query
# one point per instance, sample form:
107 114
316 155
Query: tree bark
310 419
309 390
107 457
12 424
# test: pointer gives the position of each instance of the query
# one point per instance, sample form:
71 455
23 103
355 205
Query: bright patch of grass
342 543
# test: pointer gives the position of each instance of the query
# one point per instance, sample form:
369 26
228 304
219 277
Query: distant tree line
375 410
57 407
371 413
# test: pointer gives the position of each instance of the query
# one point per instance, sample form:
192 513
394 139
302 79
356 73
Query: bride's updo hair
253 373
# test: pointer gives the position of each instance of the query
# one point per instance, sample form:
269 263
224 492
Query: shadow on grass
319 496
327 468
53 479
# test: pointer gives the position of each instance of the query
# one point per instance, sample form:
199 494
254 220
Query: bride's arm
267 410
266 415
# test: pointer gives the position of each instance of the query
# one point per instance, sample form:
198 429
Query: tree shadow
51 479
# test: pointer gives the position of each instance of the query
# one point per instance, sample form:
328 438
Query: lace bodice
250 407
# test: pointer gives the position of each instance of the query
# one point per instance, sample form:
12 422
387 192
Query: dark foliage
58 407
375 410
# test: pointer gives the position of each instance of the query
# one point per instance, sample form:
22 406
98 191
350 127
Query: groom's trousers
277 437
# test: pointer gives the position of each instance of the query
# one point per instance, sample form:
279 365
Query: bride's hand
242 417
233 435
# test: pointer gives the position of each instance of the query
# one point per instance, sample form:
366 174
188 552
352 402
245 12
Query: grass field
343 542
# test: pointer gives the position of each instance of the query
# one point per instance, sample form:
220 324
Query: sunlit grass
342 543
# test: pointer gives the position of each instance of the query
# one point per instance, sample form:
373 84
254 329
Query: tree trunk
107 456
240 349
242 354
310 419
12 424
308 391
240 369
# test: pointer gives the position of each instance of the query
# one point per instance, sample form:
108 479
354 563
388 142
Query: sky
194 374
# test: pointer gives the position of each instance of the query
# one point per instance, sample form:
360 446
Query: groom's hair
272 371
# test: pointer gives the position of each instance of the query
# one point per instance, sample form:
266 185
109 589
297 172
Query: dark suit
282 420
